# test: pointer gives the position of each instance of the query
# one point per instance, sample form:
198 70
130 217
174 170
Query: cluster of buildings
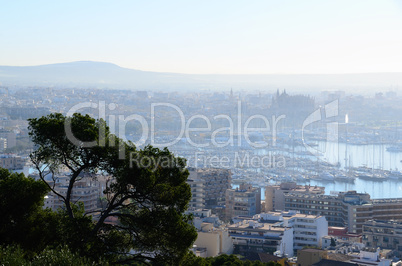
14 163
244 200
246 230
277 232
208 186
286 237
293 217
211 188
354 257
273 232
385 234
345 209
235 220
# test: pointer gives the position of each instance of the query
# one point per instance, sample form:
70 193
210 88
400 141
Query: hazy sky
248 37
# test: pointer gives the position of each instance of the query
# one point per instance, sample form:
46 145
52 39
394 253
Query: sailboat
342 176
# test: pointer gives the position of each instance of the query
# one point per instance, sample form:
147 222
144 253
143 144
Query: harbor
370 168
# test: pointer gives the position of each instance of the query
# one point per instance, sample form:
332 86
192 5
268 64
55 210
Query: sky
207 37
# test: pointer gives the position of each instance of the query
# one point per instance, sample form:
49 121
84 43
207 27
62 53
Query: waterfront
372 156
377 190
347 155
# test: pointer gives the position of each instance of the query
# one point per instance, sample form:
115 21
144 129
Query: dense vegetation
147 198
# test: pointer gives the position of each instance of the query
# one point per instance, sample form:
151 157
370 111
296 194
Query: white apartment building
308 230
253 236
197 192
370 258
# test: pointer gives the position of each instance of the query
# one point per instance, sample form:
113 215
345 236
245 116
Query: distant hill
83 73
88 74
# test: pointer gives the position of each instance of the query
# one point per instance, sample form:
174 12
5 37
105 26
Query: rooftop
253 226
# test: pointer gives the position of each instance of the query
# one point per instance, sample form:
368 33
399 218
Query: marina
367 168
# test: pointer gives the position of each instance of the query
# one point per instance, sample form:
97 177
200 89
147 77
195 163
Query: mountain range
89 74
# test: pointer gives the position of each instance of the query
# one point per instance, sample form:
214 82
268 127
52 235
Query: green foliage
148 195
333 242
191 259
12 255
53 143
154 213
20 197
225 260
61 256
22 219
